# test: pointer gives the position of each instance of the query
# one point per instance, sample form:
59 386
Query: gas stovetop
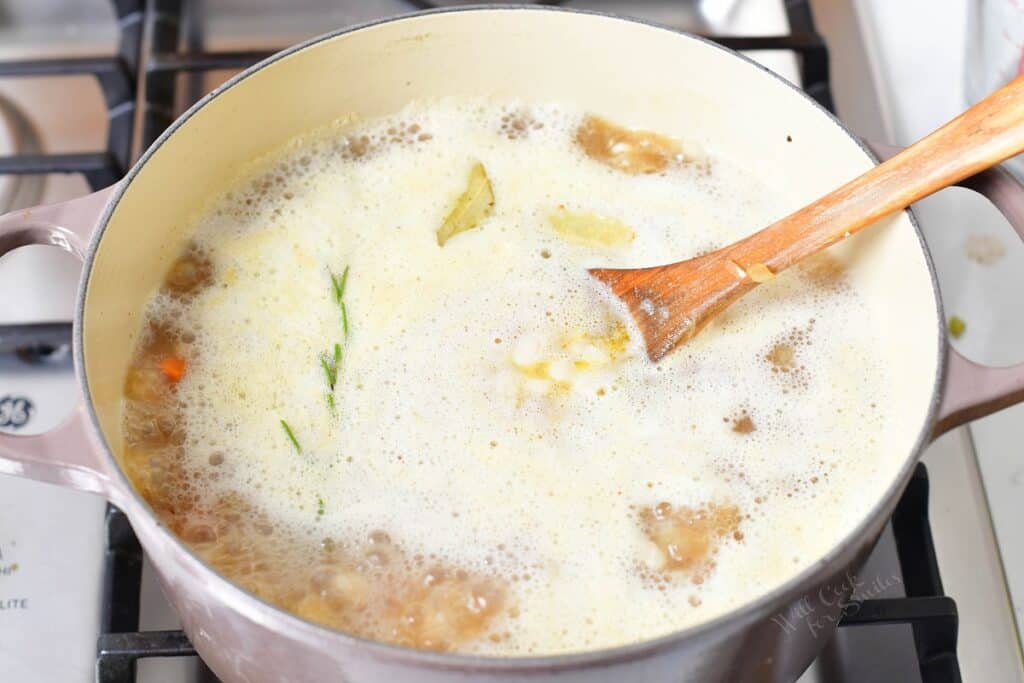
83 89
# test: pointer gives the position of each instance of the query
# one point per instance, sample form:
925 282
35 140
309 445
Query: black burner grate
117 76
932 615
165 60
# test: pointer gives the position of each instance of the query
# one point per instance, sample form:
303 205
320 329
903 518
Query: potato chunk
591 229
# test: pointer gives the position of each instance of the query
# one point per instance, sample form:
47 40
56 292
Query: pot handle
65 454
971 390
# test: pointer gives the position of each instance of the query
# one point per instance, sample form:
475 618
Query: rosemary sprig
330 372
331 365
291 436
338 287
338 283
344 279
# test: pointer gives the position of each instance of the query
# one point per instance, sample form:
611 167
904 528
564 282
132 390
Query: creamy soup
380 390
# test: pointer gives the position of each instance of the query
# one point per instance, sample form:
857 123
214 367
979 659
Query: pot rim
253 607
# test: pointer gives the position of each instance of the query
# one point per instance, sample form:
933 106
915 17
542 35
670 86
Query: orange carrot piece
173 367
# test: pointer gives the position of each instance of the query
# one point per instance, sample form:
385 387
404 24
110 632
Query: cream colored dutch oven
643 75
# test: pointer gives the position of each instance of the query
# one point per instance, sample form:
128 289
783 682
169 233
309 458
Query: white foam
440 438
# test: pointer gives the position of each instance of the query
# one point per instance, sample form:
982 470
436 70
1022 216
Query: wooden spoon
672 303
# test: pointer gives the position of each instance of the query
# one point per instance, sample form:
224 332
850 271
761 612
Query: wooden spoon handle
987 133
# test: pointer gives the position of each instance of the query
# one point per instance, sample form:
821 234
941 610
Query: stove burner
17 136
36 342
116 76
39 354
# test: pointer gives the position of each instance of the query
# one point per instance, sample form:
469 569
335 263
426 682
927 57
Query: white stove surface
51 539
919 79
890 84
50 546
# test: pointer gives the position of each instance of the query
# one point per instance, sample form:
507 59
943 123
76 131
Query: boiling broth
380 390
